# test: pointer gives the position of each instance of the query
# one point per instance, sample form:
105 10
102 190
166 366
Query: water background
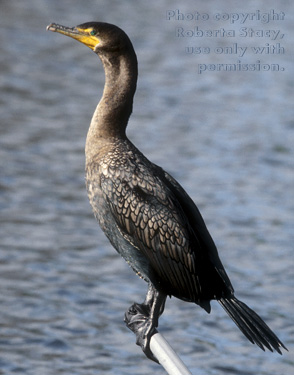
226 136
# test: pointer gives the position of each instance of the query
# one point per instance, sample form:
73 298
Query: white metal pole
167 356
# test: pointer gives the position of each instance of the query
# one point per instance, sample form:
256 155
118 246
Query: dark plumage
147 216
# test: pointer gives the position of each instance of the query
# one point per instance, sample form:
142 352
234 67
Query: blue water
226 136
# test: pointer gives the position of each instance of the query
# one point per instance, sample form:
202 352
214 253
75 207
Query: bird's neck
115 107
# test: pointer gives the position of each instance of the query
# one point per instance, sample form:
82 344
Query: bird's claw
137 319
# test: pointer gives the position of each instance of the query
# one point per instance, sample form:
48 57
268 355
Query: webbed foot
138 320
142 319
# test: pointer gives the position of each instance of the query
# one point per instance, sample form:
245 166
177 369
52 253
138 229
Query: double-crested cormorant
146 215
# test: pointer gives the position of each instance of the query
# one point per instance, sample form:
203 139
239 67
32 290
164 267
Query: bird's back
155 225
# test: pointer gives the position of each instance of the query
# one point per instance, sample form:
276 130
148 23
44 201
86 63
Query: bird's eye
92 32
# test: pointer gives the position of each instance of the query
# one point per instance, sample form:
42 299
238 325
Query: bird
145 213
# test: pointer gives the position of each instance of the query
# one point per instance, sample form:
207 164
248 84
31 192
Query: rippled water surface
227 137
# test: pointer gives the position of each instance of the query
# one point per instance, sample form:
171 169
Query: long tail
251 325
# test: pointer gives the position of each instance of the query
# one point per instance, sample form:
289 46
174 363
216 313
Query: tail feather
251 325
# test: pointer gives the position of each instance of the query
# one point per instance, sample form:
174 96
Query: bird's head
98 36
